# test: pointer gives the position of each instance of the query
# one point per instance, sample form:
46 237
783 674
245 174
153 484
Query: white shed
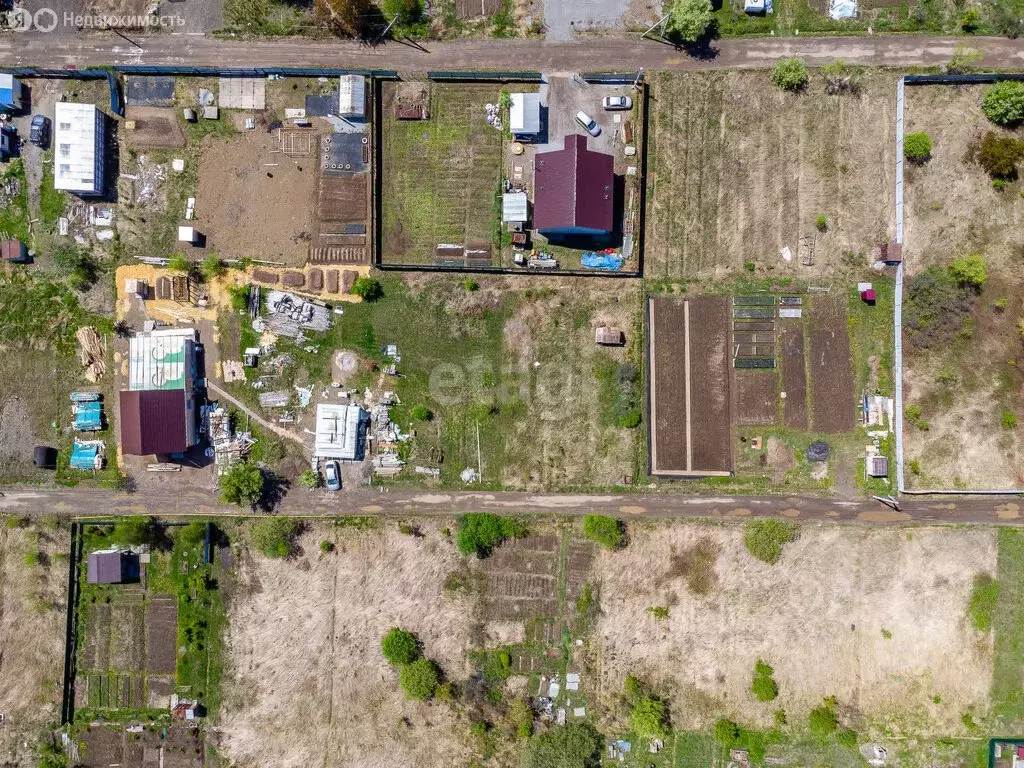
352 97
514 206
78 141
186 235
524 114
337 431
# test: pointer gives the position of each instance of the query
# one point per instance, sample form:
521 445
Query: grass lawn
1008 623
442 176
14 212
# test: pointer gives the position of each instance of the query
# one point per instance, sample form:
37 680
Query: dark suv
40 131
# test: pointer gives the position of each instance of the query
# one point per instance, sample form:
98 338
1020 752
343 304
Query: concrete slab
242 93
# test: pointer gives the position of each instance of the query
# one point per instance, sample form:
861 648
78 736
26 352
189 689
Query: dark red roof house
112 566
574 190
153 422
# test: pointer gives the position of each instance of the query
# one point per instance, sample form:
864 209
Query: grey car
332 475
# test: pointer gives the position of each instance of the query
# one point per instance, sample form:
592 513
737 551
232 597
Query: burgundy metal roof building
112 567
574 190
153 422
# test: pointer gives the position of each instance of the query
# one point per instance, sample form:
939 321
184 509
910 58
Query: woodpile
90 352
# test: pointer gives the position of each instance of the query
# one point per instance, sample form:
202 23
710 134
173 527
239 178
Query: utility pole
656 25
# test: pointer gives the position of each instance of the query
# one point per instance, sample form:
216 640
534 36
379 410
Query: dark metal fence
487 77
67 708
611 78
973 79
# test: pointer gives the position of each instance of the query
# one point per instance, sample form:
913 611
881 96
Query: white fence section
898 304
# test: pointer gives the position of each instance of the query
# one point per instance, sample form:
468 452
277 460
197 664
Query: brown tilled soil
710 401
669 395
817 617
254 202
756 398
154 127
794 375
832 395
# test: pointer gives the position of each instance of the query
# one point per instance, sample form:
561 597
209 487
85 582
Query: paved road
90 502
597 54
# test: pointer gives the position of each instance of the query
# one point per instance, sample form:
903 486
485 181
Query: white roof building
524 114
514 207
162 359
337 431
78 141
352 96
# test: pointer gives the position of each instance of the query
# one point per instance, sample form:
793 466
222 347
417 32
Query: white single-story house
352 97
79 145
338 431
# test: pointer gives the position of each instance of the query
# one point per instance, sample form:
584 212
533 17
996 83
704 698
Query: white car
332 473
589 123
617 102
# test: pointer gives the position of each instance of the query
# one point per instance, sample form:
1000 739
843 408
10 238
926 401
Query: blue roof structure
88 416
87 456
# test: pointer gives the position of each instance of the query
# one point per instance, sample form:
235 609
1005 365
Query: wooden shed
609 336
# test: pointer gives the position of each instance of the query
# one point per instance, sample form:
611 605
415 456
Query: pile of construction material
289 315
90 352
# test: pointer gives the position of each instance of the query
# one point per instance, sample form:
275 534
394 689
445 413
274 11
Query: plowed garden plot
794 376
522 579
756 398
441 176
161 635
691 418
127 636
722 144
178 747
832 395
97 643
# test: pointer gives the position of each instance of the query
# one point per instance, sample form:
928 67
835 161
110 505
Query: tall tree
690 19
345 16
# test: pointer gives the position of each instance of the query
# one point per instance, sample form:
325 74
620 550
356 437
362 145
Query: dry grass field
305 682
874 617
964 387
32 614
738 170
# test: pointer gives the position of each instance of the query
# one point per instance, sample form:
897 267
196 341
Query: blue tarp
608 262
88 417
84 456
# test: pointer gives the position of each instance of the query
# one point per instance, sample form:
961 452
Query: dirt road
599 55
84 502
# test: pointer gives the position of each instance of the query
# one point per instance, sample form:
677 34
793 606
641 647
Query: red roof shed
13 251
153 422
575 189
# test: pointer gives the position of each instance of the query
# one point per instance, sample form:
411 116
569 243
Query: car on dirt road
589 123
617 102
39 131
332 475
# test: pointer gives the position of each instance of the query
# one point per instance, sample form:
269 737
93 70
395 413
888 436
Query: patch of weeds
766 538
659 612
983 602
763 685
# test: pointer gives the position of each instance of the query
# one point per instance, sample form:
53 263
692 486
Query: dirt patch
817 617
522 579
304 653
178 747
756 398
344 365
32 618
779 458
709 379
794 376
253 200
724 143
832 396
154 127
161 634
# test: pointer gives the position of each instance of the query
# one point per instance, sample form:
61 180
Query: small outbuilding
877 466
352 97
13 252
524 115
514 207
186 235
609 336
10 93
112 566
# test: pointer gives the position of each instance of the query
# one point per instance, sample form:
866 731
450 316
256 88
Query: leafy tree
274 536
970 271
407 11
917 147
690 19
479 533
575 745
999 155
51 755
178 263
419 679
790 74
326 546
367 288
823 721
212 267
309 479
971 20
1003 102
400 647
648 717
422 413
847 738
765 538
606 531
472 285
242 485
727 733
521 717
763 685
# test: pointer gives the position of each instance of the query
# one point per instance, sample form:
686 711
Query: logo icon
20 19
45 20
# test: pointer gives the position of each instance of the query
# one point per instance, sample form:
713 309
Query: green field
442 176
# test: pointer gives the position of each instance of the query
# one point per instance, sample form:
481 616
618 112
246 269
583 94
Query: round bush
400 647
419 679
917 147
1003 103
790 74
